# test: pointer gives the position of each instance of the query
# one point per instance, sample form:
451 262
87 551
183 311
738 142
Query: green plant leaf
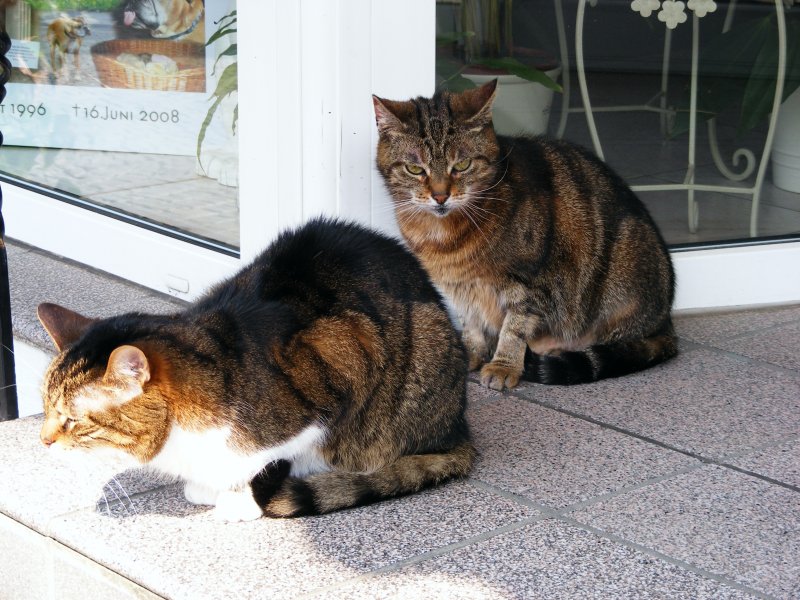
227 84
453 37
513 66
201 135
220 33
229 51
723 83
228 81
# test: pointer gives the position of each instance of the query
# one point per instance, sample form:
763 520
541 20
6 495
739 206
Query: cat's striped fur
554 264
324 375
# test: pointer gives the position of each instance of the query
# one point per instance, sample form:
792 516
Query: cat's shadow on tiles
137 492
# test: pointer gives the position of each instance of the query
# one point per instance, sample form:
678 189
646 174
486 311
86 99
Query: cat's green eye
462 165
414 169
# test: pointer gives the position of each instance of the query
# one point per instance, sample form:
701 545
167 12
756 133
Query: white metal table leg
565 78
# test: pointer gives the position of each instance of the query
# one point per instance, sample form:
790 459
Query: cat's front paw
235 506
199 494
497 376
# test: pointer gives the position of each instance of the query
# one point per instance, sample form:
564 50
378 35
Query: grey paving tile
36 277
478 394
26 567
557 460
728 523
39 485
13 250
547 559
77 578
781 462
779 346
170 546
715 327
703 401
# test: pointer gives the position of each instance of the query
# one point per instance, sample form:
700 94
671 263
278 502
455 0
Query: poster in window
120 75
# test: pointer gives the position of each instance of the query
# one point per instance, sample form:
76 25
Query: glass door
120 126
731 218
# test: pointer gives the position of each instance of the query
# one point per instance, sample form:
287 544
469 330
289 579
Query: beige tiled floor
677 482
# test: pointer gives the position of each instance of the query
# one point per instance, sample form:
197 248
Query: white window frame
307 69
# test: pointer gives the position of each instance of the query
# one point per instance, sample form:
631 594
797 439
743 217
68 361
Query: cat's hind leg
237 505
245 504
335 490
199 494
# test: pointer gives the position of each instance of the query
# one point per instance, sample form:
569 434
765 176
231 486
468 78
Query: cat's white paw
237 506
199 494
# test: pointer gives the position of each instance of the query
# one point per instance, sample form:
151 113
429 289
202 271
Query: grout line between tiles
765 478
425 556
653 441
58 544
748 334
666 558
757 361
628 488
766 446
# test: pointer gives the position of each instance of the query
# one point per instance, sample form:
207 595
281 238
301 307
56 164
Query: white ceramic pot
520 106
786 145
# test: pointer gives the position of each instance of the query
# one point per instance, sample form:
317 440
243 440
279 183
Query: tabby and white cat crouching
323 376
555 266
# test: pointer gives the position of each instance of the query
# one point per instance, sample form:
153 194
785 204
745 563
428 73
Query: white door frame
307 138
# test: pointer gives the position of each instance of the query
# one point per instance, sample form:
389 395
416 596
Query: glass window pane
110 104
638 74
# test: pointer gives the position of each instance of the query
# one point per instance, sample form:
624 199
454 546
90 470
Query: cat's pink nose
47 440
441 198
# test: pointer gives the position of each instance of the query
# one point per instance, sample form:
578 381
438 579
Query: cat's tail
601 361
334 490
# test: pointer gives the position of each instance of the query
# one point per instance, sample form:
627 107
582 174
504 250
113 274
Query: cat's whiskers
408 211
502 177
129 505
465 209
483 197
105 499
23 363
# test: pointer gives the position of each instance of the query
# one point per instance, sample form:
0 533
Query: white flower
702 7
645 7
672 13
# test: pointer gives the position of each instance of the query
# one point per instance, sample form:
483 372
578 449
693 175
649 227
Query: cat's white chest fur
207 458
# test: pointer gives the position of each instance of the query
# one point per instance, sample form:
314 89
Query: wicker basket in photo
189 56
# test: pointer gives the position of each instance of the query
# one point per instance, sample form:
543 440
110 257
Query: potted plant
222 163
482 48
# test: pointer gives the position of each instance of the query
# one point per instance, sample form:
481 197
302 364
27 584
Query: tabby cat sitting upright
324 375
553 263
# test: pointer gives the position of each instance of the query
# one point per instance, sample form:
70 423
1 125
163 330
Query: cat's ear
62 324
126 373
390 114
128 364
476 105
